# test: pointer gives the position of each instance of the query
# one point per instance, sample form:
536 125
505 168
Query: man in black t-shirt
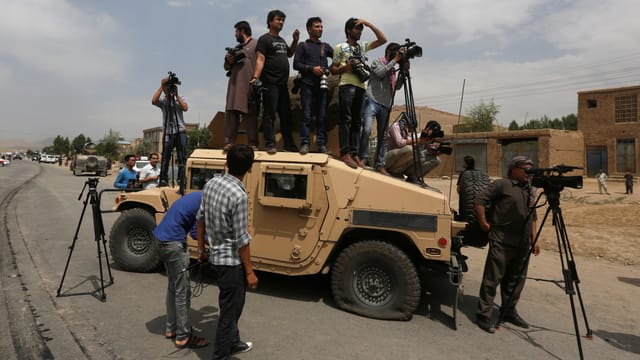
272 68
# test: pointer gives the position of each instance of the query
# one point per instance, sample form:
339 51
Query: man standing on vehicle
174 253
349 62
239 65
380 92
150 173
511 224
223 216
272 68
127 177
311 61
174 133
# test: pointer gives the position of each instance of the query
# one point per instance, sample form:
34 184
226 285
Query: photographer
399 159
380 91
174 130
504 210
240 62
272 68
311 61
349 62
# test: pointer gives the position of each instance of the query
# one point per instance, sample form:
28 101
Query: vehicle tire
131 242
377 280
472 183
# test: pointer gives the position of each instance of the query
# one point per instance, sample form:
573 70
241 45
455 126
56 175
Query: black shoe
516 320
485 324
163 183
323 149
241 347
271 150
304 149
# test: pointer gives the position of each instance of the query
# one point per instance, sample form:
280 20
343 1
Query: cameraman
240 63
174 130
311 61
380 91
272 68
347 57
511 223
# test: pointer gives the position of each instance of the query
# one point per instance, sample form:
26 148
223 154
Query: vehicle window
200 176
289 186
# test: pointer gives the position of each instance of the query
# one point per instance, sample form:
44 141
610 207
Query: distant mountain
23 145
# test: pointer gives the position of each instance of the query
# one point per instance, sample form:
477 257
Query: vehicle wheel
377 280
131 242
472 182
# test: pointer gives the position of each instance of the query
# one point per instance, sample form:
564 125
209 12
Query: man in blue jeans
172 248
311 61
380 91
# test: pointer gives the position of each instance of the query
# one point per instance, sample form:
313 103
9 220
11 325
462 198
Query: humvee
88 161
312 214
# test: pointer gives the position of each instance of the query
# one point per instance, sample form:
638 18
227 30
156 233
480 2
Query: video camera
440 147
552 179
237 55
410 50
172 82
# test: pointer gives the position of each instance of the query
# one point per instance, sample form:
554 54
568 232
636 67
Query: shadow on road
626 342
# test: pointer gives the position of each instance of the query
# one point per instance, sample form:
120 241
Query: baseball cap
520 160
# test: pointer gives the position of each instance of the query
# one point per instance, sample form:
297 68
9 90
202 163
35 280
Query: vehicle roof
310 158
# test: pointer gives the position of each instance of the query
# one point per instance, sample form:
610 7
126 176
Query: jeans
276 98
179 141
351 99
313 100
175 258
232 289
381 112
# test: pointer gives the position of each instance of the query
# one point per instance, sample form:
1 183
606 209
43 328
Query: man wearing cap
505 211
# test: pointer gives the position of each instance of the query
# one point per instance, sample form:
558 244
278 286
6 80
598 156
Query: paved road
286 318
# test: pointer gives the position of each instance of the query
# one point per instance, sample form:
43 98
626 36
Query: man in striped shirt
223 215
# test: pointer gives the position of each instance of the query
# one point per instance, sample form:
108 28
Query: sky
71 67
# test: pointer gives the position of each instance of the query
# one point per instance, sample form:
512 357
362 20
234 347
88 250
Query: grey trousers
232 123
175 257
504 267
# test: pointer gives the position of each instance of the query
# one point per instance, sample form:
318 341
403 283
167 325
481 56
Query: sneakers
348 160
485 324
304 149
241 347
516 320
323 149
271 150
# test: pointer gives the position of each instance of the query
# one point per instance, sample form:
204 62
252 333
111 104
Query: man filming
240 63
380 91
511 223
174 129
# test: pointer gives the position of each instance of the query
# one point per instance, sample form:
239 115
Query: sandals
169 335
193 342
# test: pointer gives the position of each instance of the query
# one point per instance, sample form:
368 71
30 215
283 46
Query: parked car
4 162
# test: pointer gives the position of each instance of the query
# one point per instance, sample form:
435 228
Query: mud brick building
608 119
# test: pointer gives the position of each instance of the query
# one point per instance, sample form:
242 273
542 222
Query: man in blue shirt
127 177
311 61
172 248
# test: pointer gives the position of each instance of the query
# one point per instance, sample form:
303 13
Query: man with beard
348 58
272 68
239 65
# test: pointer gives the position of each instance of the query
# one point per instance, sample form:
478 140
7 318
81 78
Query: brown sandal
169 335
193 342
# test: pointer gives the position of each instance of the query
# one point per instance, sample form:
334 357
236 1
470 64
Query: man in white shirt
150 173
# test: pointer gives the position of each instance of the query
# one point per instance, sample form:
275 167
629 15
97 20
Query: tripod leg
97 235
573 270
73 244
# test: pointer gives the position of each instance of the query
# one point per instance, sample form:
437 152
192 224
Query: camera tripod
569 271
169 141
98 231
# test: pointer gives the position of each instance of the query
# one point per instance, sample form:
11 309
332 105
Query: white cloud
179 3
60 39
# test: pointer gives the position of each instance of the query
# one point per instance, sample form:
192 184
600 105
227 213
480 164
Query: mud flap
457 266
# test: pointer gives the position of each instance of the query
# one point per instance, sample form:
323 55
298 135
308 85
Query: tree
60 145
570 122
514 125
197 138
108 146
143 148
79 142
480 117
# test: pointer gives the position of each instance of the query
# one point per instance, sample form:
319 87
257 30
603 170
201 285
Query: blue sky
80 66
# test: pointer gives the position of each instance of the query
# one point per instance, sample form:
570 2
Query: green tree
514 125
480 117
197 138
60 145
143 148
108 145
570 122
78 143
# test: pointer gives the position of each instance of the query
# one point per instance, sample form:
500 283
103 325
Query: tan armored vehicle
311 214
87 161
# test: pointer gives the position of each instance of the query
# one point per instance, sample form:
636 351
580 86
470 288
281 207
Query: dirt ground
599 226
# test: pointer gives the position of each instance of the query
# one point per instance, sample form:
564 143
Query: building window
592 103
626 108
625 155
